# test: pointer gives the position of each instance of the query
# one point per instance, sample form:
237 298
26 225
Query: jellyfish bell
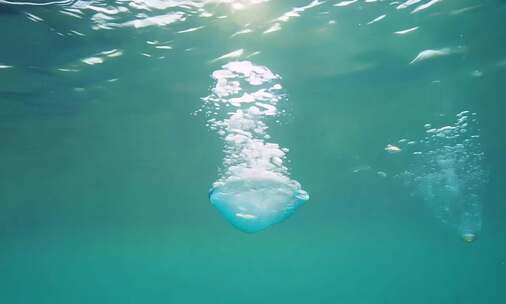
256 201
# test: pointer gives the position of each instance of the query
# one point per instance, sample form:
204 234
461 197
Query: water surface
107 153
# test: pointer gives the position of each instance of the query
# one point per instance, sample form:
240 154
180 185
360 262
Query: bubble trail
254 190
449 175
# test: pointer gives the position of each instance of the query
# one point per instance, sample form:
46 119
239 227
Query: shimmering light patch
164 47
77 33
160 20
239 4
464 10
108 10
406 31
112 53
425 6
67 70
345 3
33 17
254 191
295 12
93 60
274 28
377 19
4 66
382 174
151 5
100 57
193 29
27 3
233 54
253 54
72 13
205 14
242 32
408 4
429 54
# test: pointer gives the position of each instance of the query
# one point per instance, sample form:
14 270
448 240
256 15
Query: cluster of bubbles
448 174
254 190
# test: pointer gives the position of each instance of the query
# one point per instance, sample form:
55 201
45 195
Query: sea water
359 144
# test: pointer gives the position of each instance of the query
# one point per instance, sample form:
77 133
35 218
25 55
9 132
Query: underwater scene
252 151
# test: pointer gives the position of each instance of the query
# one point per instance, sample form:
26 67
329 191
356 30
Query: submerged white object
254 190
469 237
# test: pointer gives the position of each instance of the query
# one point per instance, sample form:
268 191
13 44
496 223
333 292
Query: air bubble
254 190
257 200
447 173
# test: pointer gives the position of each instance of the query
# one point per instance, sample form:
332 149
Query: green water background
103 189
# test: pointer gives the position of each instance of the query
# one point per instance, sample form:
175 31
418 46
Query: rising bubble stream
254 190
448 173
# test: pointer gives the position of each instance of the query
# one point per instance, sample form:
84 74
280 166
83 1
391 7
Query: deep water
108 148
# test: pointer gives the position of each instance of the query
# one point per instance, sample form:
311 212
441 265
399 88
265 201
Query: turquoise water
333 132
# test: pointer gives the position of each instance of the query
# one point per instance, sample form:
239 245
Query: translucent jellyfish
449 176
254 190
